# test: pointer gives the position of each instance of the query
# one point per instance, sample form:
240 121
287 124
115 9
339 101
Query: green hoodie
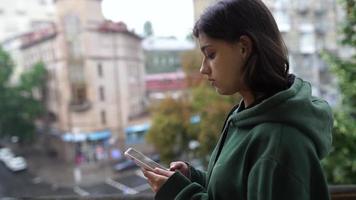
271 151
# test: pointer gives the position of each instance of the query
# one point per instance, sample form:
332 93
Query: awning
137 128
99 135
71 137
92 136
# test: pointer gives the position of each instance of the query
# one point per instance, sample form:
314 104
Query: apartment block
96 82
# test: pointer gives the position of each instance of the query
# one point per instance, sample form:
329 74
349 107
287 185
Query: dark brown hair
266 71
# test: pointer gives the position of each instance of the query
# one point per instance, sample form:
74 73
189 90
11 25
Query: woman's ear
246 46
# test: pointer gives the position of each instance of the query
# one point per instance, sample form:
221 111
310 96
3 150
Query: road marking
143 187
37 180
80 191
122 187
140 174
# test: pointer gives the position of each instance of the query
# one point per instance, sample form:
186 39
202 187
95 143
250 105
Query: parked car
124 164
6 154
16 164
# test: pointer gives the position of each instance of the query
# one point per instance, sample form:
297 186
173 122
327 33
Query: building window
103 117
79 94
171 60
282 19
307 43
102 93
42 2
21 12
100 70
303 6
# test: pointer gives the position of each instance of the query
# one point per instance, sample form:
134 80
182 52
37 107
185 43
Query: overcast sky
168 17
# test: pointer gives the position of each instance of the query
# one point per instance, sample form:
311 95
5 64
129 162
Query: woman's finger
175 166
163 172
155 180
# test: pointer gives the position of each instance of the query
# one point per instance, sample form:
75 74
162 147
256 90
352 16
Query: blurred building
163 63
308 28
96 79
200 5
20 16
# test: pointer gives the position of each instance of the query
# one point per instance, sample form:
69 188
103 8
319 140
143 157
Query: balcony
338 192
80 107
343 192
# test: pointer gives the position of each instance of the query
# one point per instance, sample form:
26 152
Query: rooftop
167 44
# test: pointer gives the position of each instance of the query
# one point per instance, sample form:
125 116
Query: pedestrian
272 141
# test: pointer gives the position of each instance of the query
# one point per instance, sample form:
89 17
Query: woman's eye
210 56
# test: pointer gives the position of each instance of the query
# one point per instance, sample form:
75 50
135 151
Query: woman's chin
224 92
221 92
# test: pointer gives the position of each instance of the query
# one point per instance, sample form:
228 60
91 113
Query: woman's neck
247 97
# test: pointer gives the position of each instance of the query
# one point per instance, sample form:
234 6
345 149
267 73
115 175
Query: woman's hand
157 177
180 166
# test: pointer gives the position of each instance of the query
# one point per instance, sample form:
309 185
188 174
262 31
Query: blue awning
71 137
99 135
137 128
81 137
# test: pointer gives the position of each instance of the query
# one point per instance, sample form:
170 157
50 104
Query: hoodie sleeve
197 175
268 180
178 187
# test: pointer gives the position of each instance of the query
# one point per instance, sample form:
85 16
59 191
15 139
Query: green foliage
169 131
6 68
148 29
348 27
19 107
172 130
212 109
340 165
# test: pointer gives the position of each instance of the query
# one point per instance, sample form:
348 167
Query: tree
19 105
340 165
148 29
169 131
212 109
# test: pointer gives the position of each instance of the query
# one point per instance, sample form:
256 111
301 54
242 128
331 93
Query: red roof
165 82
115 27
37 36
110 26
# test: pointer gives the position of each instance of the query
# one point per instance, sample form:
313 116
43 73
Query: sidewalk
61 174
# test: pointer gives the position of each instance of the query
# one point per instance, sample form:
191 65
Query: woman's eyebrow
204 47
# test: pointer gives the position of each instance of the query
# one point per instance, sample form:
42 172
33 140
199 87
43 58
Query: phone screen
142 160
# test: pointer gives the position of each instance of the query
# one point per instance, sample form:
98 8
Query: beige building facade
96 84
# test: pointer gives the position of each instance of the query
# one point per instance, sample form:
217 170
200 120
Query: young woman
272 141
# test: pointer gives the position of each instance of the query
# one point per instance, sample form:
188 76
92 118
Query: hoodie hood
294 107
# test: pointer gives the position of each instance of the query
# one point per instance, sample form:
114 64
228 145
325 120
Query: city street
25 184
48 177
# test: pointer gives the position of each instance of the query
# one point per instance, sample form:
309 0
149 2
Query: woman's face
222 63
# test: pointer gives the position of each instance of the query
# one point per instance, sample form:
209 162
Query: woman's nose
204 69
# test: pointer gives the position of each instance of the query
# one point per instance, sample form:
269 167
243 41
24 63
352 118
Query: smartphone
142 160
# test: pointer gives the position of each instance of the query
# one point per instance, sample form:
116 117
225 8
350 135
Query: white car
6 154
16 164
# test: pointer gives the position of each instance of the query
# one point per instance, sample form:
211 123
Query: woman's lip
212 82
